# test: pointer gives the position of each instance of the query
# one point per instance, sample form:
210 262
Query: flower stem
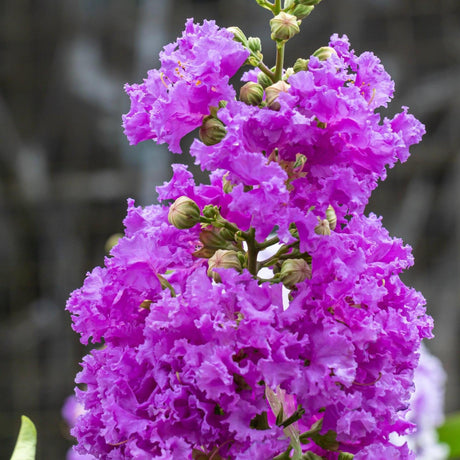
277 8
279 60
267 243
266 71
252 251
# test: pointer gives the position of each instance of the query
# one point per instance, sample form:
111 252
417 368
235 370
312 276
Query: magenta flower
199 366
194 76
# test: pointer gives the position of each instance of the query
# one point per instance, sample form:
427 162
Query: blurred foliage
27 441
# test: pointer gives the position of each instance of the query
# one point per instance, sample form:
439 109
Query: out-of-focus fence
66 168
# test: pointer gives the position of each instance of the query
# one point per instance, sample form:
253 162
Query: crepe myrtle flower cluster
199 354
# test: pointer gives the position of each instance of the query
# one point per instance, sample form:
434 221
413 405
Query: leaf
27 441
449 434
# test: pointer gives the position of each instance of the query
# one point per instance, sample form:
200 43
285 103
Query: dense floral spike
194 76
207 360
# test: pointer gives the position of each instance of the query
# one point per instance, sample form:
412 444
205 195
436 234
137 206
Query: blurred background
66 168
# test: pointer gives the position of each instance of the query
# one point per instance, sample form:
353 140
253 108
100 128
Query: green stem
279 61
268 280
267 243
229 226
252 251
266 71
277 8
273 259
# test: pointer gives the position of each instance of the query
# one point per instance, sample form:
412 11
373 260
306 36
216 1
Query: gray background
66 169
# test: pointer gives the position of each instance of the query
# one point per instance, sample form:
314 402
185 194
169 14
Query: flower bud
289 71
323 227
223 259
293 230
227 186
345 456
264 80
273 91
284 26
112 241
184 213
331 217
145 304
294 271
301 11
254 44
300 64
325 52
227 234
252 93
211 212
212 131
212 239
238 35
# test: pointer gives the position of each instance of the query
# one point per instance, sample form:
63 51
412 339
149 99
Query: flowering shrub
201 357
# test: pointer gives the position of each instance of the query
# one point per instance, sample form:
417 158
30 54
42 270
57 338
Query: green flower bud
184 213
227 234
264 80
210 211
251 93
293 230
284 26
112 241
227 186
294 271
145 304
212 131
223 259
331 217
212 239
325 52
300 64
272 92
204 253
345 456
289 71
323 227
254 44
238 35
301 11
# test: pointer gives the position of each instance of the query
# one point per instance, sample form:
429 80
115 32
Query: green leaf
449 433
27 441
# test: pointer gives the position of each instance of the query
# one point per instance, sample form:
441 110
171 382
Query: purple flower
71 410
194 76
427 408
187 362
